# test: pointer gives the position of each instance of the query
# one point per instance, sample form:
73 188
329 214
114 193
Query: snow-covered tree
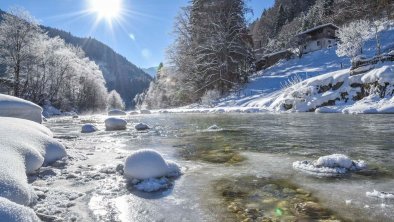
17 32
352 37
115 100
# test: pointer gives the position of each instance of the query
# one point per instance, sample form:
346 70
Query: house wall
318 44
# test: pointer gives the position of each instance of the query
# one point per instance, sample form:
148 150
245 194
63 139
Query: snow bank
24 146
141 127
381 195
150 170
15 107
328 166
12 212
89 128
115 124
116 112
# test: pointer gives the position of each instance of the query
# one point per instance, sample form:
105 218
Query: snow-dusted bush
15 107
332 165
34 147
352 37
89 128
116 112
12 212
115 101
210 97
115 124
146 164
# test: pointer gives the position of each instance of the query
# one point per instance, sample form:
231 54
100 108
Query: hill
152 71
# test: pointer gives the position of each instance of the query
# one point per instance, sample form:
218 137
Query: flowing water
241 172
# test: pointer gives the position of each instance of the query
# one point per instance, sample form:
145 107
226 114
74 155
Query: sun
106 9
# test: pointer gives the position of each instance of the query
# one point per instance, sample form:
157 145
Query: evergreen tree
281 19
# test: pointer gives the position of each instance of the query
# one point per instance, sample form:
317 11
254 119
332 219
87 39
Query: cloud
146 53
132 36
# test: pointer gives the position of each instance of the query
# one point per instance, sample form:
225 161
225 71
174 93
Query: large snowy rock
12 212
147 164
115 124
15 107
89 128
328 166
116 112
24 146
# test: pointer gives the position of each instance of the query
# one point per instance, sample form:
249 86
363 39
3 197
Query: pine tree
281 19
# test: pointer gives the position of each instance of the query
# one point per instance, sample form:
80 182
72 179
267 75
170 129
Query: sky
141 31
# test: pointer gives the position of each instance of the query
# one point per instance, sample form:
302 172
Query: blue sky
141 34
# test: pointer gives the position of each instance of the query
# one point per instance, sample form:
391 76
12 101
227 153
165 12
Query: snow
153 184
141 127
115 124
331 165
144 164
89 128
12 212
116 112
25 146
15 107
381 195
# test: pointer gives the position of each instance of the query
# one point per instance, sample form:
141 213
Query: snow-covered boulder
147 164
12 212
89 128
141 127
380 194
213 128
116 112
115 124
133 113
11 106
24 146
328 166
145 111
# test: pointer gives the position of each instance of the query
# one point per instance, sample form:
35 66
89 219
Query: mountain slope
119 73
152 71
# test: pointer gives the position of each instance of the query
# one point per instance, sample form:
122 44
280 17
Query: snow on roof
318 27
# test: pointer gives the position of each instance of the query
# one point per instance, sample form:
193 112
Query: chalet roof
317 28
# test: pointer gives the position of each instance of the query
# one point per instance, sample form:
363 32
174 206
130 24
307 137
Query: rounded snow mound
145 164
329 166
115 124
24 146
12 212
116 112
141 127
89 128
11 106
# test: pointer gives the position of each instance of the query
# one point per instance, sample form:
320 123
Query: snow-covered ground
296 83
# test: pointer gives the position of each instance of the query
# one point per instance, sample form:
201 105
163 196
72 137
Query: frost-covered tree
115 100
18 30
352 37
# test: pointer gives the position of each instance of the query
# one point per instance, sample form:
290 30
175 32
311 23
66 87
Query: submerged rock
214 128
115 124
89 128
141 127
329 166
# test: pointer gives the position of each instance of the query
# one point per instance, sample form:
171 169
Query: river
242 172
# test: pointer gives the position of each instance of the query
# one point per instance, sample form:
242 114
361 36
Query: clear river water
242 172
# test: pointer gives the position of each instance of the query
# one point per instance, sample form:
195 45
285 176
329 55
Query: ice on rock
115 124
12 212
381 195
89 128
116 112
331 165
141 127
150 170
24 146
18 108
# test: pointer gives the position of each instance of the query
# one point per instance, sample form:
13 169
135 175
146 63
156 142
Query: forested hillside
279 24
